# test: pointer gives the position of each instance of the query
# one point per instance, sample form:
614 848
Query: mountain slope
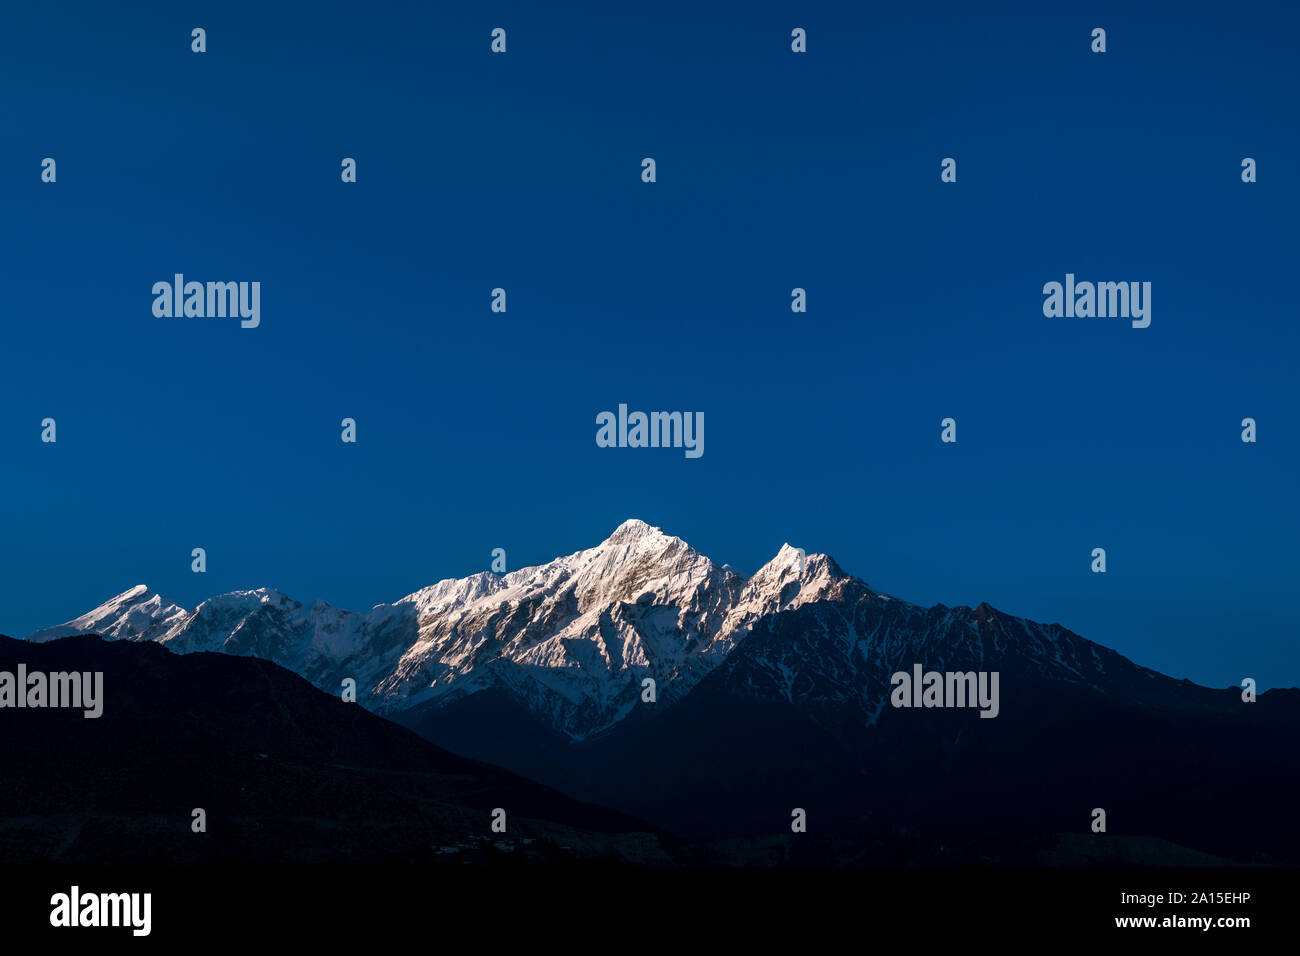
283 771
799 716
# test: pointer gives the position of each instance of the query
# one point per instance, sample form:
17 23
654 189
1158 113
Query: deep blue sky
776 170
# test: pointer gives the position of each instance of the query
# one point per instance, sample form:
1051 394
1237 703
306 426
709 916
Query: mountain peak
135 595
788 562
138 613
141 594
251 600
633 529
789 553
635 536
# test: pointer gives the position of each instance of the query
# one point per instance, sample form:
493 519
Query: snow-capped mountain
137 614
573 640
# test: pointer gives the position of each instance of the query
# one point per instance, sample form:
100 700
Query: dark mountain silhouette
794 718
283 771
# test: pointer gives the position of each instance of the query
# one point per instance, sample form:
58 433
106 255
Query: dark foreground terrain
283 771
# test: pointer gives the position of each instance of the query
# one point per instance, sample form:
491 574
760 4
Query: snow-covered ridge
137 614
572 639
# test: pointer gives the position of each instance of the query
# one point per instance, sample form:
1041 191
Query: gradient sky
477 430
